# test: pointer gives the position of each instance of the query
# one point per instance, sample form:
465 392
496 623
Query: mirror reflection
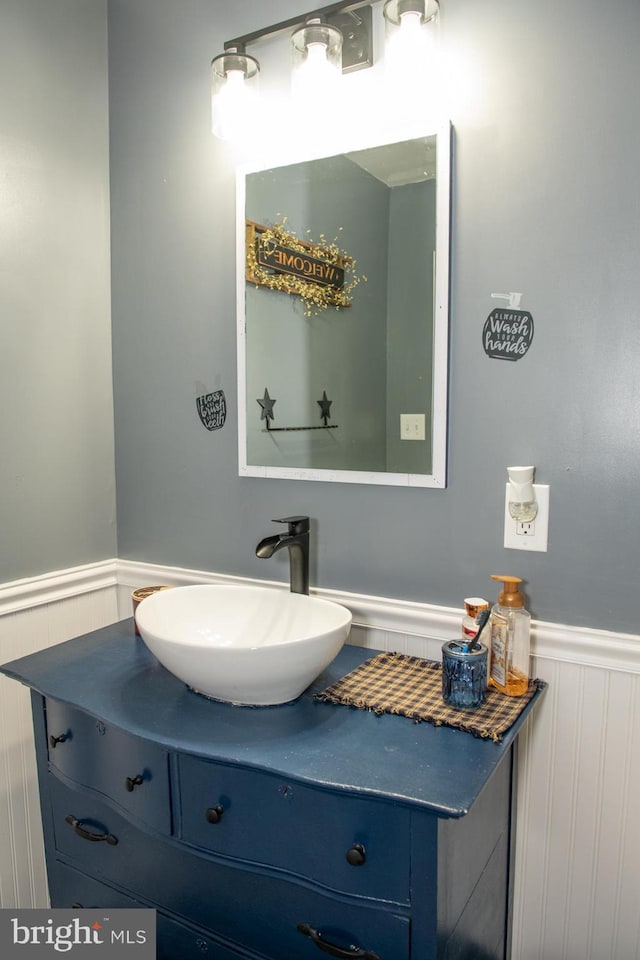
343 315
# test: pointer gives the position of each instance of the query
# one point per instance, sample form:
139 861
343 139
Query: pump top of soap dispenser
510 595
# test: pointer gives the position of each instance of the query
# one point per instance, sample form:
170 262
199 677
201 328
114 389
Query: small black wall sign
212 409
507 334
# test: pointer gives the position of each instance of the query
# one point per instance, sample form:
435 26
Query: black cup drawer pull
348 953
89 834
131 782
214 814
54 741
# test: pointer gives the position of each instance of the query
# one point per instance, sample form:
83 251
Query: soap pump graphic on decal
508 331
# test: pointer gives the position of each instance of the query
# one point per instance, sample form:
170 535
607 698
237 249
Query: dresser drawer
174 941
242 906
131 772
350 844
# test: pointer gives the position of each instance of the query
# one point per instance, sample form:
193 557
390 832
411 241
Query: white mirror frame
439 421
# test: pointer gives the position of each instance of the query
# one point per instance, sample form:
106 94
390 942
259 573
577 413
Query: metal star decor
324 405
267 406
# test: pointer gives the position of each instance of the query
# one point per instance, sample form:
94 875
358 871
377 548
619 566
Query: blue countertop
112 675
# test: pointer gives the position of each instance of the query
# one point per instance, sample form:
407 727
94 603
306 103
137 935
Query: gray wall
547 201
57 498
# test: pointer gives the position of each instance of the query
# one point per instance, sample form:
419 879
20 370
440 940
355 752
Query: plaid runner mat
412 687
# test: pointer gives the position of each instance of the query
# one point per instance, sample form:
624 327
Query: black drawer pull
132 782
54 741
87 834
348 953
214 814
356 855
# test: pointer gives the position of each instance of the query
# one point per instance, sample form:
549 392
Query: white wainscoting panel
577 873
35 614
578 841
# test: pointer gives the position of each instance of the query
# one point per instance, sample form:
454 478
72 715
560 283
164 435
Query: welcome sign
286 260
281 261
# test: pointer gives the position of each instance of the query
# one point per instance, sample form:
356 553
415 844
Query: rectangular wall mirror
343 314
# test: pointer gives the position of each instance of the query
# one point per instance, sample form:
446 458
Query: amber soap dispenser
510 639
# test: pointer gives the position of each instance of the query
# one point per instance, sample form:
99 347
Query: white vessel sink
243 644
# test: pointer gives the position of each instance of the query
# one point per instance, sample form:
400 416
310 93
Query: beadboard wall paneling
35 614
578 848
578 844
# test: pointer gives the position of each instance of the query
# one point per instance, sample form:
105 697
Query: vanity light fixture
326 42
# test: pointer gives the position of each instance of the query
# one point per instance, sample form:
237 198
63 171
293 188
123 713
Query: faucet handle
296 524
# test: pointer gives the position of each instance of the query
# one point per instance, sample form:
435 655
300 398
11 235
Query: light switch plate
528 536
412 426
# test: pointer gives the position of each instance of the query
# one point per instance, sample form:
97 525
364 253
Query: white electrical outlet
519 535
412 426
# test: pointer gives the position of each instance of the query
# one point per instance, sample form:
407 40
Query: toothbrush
482 622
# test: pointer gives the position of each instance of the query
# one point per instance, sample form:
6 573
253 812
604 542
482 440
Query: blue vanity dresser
280 833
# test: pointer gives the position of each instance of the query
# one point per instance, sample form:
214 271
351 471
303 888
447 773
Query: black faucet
296 540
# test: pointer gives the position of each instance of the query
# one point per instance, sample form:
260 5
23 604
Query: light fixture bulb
407 49
314 71
317 58
234 79
410 20
228 107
